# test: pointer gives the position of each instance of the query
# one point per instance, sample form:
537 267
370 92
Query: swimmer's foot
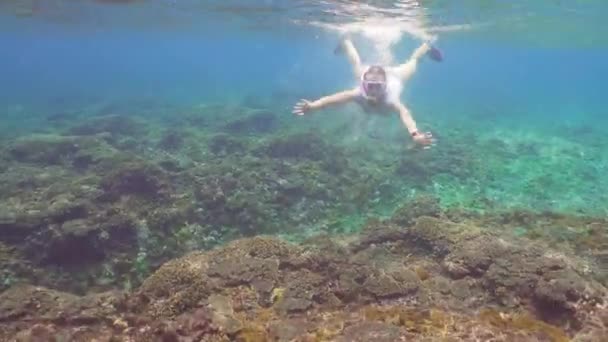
435 54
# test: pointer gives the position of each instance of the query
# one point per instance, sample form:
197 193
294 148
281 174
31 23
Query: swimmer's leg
347 47
406 70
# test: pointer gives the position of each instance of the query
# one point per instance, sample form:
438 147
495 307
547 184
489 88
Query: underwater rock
172 165
39 333
414 171
82 242
4 160
398 283
260 122
215 295
307 148
235 271
421 205
299 146
84 177
62 240
73 242
172 140
187 280
375 233
62 116
300 288
113 124
524 271
305 281
236 199
136 178
66 207
288 330
451 160
247 194
222 313
175 287
371 331
79 152
513 272
194 326
13 267
474 262
44 149
293 303
15 226
33 303
438 237
43 314
223 144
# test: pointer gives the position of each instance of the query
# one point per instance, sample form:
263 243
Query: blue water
43 60
521 69
133 132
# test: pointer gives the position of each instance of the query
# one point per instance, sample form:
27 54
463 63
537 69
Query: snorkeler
379 88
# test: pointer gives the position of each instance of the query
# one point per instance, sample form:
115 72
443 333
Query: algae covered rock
224 144
422 205
258 122
300 288
515 271
177 286
218 295
83 242
439 237
300 146
31 302
78 152
70 234
136 178
112 124
64 207
396 283
288 330
44 149
371 331
246 261
172 139
73 242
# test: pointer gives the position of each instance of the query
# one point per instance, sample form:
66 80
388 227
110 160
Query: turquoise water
518 73
518 106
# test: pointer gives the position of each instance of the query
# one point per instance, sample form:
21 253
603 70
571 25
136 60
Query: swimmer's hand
302 107
426 140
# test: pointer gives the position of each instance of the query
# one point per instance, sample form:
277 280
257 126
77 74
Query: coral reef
115 227
260 122
124 208
265 289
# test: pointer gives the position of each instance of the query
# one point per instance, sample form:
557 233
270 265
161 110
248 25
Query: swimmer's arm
406 117
337 98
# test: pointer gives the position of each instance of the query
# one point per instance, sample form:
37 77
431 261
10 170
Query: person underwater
379 88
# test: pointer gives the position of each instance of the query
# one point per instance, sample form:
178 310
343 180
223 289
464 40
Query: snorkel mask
374 88
373 82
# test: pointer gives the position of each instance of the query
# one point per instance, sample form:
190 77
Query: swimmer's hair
375 70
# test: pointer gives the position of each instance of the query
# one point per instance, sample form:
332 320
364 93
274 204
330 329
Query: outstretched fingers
430 141
301 107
